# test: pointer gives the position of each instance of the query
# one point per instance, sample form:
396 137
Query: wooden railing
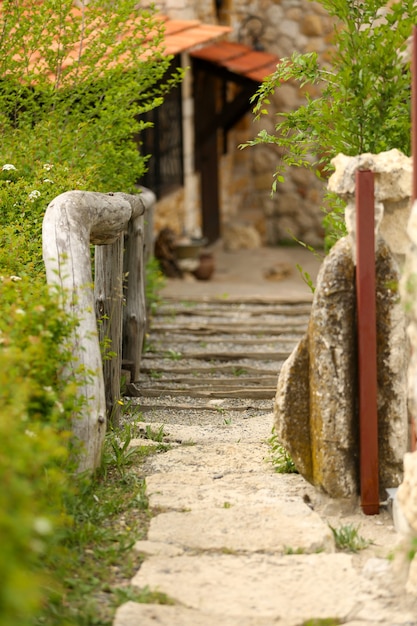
111 310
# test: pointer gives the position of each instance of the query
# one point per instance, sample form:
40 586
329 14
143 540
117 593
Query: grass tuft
280 459
347 538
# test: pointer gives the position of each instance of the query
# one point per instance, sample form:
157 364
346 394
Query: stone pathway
232 542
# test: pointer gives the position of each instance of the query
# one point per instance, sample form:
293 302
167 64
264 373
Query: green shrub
35 465
79 99
24 196
64 125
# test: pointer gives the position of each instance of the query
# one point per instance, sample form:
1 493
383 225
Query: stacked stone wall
247 176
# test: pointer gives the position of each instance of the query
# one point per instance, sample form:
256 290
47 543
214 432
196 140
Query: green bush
35 465
75 84
66 122
365 95
24 196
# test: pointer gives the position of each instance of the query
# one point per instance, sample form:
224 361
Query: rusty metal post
367 359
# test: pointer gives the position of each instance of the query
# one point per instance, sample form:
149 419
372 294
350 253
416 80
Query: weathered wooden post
73 220
138 251
120 296
108 294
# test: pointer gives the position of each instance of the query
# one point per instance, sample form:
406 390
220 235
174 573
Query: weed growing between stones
109 512
348 538
412 551
118 452
155 434
290 550
239 371
155 281
280 459
326 621
143 596
174 355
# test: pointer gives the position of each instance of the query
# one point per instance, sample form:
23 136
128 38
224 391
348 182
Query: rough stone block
316 407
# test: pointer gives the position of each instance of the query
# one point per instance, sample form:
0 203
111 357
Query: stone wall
246 176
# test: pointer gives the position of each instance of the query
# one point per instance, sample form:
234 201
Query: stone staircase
233 542
217 348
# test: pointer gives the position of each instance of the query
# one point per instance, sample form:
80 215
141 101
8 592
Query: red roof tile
179 36
239 59
184 36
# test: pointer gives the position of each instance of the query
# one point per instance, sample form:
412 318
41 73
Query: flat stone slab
133 614
213 459
253 429
287 526
280 588
181 490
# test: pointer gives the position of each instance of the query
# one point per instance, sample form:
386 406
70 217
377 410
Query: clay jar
206 267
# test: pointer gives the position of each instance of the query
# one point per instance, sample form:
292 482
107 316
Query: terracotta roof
205 42
181 36
238 59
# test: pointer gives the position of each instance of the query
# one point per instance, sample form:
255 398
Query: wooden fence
111 309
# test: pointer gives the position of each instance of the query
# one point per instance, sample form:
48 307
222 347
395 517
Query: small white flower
29 433
34 194
47 166
47 180
15 279
42 526
8 166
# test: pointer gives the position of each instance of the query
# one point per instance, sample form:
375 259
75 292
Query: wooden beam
207 155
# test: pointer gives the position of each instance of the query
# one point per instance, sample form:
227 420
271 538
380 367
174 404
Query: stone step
201 369
215 339
219 382
221 356
243 529
233 304
286 590
260 393
213 429
254 304
203 327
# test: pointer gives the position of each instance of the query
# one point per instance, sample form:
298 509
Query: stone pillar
393 171
407 491
316 413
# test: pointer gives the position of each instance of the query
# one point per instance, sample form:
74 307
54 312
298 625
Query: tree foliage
77 81
365 89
